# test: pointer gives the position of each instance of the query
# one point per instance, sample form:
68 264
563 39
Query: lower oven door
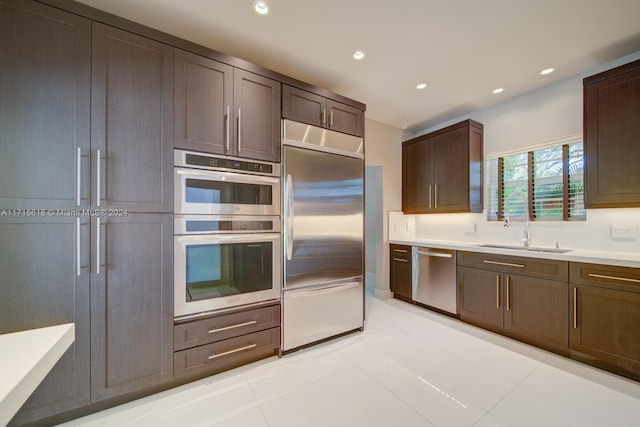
221 271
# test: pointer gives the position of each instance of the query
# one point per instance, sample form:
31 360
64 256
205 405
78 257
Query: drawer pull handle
403 251
226 353
622 279
239 325
506 264
400 259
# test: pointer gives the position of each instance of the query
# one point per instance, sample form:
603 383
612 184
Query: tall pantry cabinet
86 200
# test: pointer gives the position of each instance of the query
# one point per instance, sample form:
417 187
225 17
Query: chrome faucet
526 234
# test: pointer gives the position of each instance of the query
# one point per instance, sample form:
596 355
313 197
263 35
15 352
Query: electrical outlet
623 231
470 228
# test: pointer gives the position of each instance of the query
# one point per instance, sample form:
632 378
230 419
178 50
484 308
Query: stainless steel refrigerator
323 292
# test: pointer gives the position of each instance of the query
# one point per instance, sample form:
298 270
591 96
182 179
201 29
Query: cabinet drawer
212 329
541 268
623 278
227 354
400 251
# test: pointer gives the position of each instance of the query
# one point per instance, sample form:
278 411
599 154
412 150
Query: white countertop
25 360
624 259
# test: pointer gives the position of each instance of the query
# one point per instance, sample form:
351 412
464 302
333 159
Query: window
547 181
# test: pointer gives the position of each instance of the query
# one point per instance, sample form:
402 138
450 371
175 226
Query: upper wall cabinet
611 137
442 170
224 110
307 107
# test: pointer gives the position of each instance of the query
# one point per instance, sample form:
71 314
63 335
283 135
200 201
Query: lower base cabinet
605 303
220 342
400 272
508 296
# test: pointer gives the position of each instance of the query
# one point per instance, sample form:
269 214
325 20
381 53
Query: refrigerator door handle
288 214
324 289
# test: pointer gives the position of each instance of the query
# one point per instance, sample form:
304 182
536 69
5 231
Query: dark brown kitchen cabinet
44 281
442 171
611 135
224 341
203 103
225 110
45 91
45 87
400 272
524 298
131 121
307 107
131 303
605 318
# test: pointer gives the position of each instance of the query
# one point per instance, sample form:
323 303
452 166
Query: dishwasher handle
435 254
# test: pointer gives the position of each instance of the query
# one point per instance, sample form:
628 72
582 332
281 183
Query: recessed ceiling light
547 71
421 86
498 90
261 7
358 55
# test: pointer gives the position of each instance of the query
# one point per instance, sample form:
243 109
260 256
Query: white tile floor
410 367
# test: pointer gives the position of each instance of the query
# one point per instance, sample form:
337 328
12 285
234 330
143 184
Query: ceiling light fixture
547 71
498 90
358 55
261 7
421 86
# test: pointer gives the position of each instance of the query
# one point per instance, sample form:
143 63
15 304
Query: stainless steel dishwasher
434 278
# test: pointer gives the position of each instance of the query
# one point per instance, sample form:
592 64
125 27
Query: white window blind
548 182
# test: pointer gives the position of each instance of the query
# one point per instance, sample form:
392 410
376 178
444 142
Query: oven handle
224 238
226 176
288 214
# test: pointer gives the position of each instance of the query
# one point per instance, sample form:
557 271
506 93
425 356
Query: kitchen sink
523 248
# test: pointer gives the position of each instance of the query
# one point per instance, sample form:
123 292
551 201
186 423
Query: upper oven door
223 193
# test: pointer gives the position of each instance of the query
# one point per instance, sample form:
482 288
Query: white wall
383 148
549 113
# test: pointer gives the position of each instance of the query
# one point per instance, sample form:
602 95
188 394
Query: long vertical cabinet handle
98 245
575 308
508 293
498 291
435 195
331 118
98 178
228 120
78 174
429 196
78 246
289 216
239 130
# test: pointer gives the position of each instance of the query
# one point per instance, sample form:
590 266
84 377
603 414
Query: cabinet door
257 116
203 103
417 190
611 135
344 118
132 121
401 271
42 284
537 311
450 154
44 106
131 304
480 299
605 326
303 106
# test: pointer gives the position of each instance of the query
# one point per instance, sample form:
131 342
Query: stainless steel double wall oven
227 243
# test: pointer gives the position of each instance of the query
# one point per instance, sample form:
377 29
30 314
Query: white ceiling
463 49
